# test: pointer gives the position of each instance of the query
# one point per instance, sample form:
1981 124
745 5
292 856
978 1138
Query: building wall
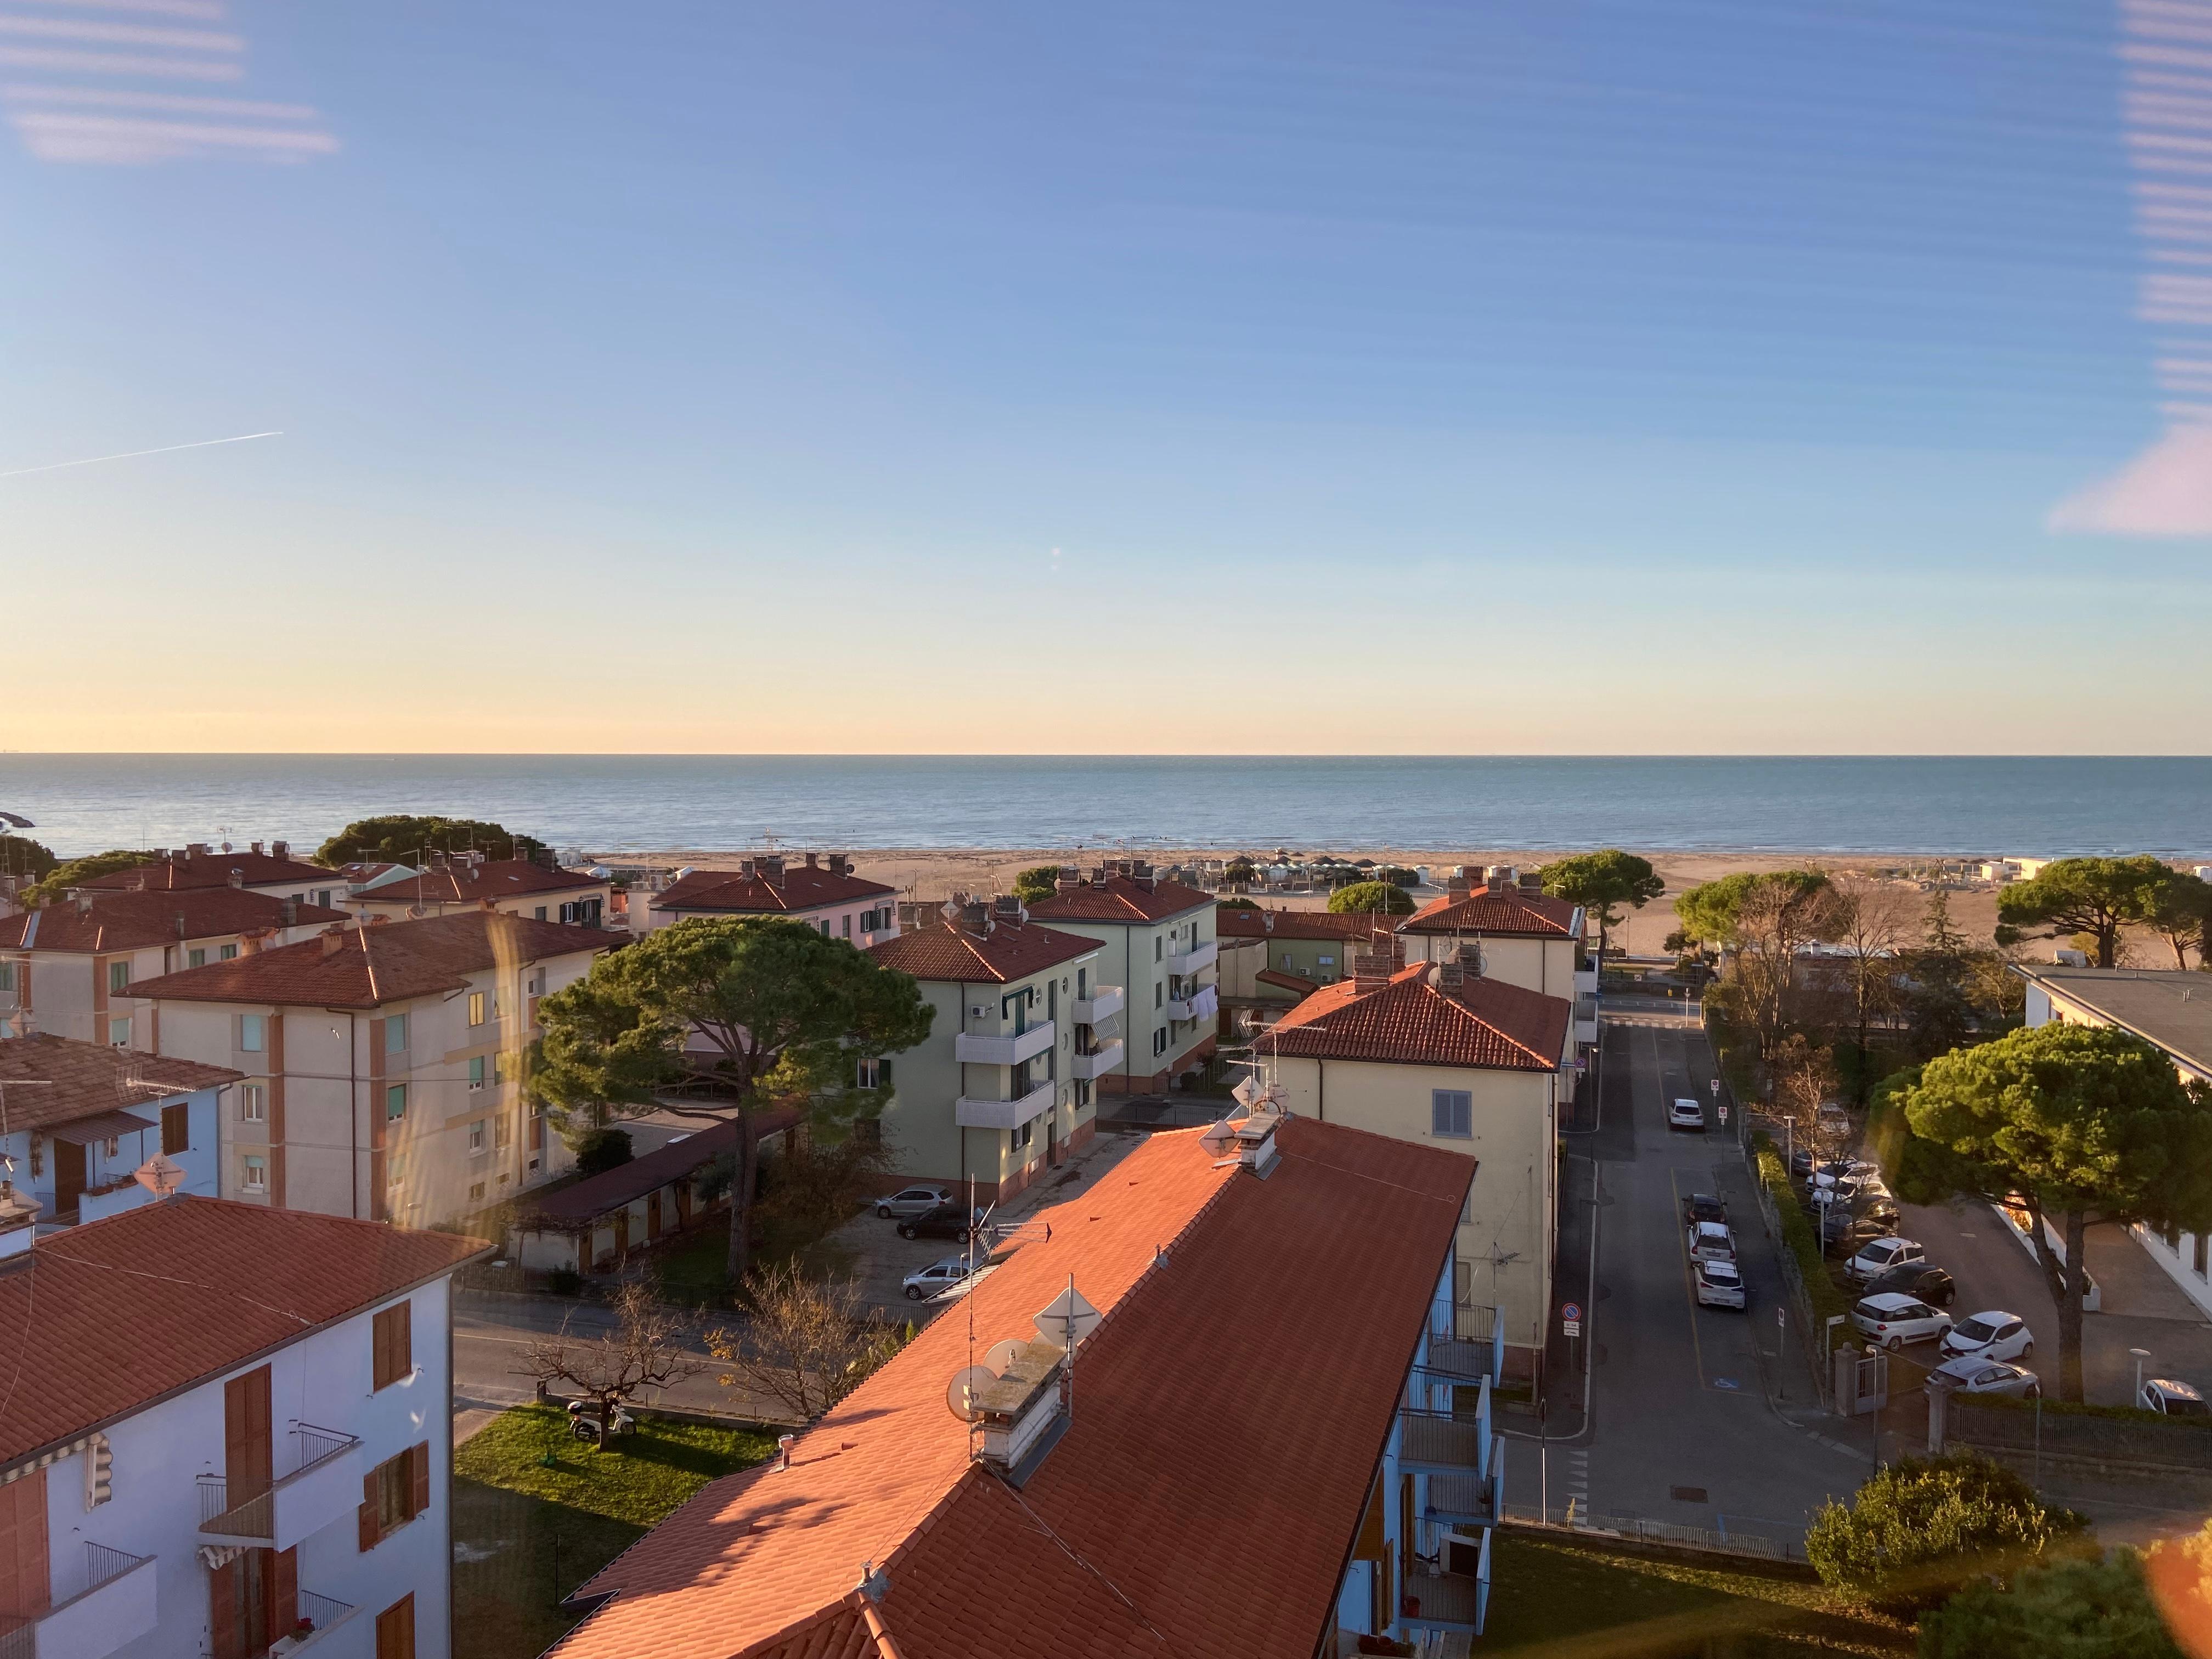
65 993
200 1160
844 920
1134 955
1535 964
541 907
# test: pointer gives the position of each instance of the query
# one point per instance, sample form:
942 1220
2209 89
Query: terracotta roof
86 1078
110 1316
1480 912
1119 898
1412 1021
1230 922
386 962
804 887
1011 951
140 921
1293 983
496 878
1184 1438
576 1206
211 869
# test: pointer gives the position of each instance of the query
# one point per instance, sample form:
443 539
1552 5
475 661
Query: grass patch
527 1531
693 1274
1546 1593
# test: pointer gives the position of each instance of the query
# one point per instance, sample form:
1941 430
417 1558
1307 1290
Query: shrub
565 1281
1397 875
1038 882
599 1151
1241 870
1371 896
1798 1234
1237 904
2097 1607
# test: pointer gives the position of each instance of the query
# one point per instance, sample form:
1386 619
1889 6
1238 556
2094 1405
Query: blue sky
1160 379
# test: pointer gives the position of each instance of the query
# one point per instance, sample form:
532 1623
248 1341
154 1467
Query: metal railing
1438 1439
1762 1540
256 1517
322 1612
1467 1338
105 1563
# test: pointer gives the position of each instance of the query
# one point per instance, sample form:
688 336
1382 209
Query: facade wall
848 918
1134 955
33 1157
540 907
65 993
1535 964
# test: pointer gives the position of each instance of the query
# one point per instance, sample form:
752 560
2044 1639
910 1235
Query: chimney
975 916
250 942
180 926
771 870
1532 884
1500 878
1457 886
378 921
333 939
747 867
161 855
1373 964
812 861
237 879
138 881
291 914
257 849
840 864
912 916
193 849
1268 920
83 901
280 849
1008 908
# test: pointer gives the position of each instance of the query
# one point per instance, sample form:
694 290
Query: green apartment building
1156 945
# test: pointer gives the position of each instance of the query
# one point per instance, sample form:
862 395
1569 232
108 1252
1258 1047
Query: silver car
938 1277
2170 1398
1894 1319
1971 1374
910 1201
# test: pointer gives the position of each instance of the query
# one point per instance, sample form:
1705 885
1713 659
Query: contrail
128 454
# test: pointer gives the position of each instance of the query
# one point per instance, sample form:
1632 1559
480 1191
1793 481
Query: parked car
1687 1114
1919 1281
1881 1255
912 1200
1893 1319
938 1277
1831 1119
944 1221
1989 1336
1851 1192
1711 1240
2171 1398
1840 1169
1971 1374
1801 1163
1719 1284
1702 1206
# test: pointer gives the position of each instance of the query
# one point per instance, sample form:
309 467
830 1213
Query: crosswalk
1575 1482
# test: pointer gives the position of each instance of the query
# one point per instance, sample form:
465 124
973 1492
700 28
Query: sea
1967 806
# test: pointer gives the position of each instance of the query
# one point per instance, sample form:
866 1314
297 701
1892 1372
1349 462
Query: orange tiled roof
210 869
1482 912
128 920
1118 898
81 1079
371 965
495 879
804 887
109 1316
1230 921
1184 1438
1008 951
1410 1020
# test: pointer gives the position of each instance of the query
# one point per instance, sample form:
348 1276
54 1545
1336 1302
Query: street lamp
2141 1354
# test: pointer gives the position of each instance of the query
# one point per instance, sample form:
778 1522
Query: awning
101 1126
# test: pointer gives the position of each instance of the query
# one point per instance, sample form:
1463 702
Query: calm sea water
2033 806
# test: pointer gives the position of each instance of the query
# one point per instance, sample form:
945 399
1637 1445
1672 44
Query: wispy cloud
174 103
102 62
2165 492
52 136
206 12
120 35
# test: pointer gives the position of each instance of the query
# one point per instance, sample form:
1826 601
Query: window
392 1343
323 898
868 1074
395 1169
393 1493
395 1034
868 1132
1160 1041
1082 1094
1159 993
226 953
257 1175
1451 1112
2198 1246
1156 944
177 1128
540 916
253 1033
476 1071
503 1132
254 1102
477 1136
475 1189
1325 962
195 957
7 976
395 1630
1023 1133
119 976
1467 1208
848 924
395 1102
118 1033
476 1007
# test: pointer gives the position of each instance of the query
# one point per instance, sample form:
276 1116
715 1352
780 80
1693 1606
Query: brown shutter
283 1592
420 1456
248 1452
380 1353
176 1129
26 1583
222 1610
395 1630
403 1339
368 1517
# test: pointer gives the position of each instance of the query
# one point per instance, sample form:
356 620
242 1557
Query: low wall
2137 1437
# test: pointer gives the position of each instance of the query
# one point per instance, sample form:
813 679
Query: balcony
1451 1602
114 1607
1190 961
1437 1441
1465 1341
972 1049
1101 1005
1099 1061
321 1614
1004 1114
1201 1003
322 1486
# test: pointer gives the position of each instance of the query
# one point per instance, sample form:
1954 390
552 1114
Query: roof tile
85 1078
131 920
1411 1020
1006 952
1119 898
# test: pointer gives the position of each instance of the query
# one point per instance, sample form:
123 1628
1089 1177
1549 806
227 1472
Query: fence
1757 1538
2145 1439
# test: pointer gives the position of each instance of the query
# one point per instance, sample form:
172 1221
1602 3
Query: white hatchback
1687 1114
1881 1254
1989 1336
1894 1319
1719 1286
1711 1241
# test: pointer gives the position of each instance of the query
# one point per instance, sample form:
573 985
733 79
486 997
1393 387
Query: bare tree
644 1350
1873 920
805 1345
1779 915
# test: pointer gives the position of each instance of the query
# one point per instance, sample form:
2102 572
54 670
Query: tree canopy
74 872
2097 1606
1711 911
1038 882
2180 912
22 857
405 837
2097 897
1372 895
1600 881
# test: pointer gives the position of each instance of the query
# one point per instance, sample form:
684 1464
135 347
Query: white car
1893 1319
1687 1114
1881 1254
1831 1119
1970 1375
938 1277
2171 1398
1719 1286
1989 1336
909 1201
1845 1168
1711 1240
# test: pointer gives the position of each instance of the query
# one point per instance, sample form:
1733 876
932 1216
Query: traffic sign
1717 1085
1571 1326
1571 1310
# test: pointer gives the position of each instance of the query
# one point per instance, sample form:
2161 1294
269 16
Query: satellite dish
960 1393
160 1175
1067 1319
999 1355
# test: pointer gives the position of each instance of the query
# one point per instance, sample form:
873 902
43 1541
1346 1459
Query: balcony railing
1467 1340
1099 1061
258 1517
1101 1005
1200 1004
321 1614
114 1608
1004 1114
1190 961
1448 1601
976 1049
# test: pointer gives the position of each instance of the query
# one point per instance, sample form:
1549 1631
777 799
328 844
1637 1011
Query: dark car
1702 1206
1801 1163
1919 1281
939 1221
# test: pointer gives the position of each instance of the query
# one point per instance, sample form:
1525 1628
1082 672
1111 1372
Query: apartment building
1524 937
469 881
1184 1364
274 873
1435 1054
1272 959
65 967
229 1434
1157 945
819 889
1002 1089
78 1120
381 1064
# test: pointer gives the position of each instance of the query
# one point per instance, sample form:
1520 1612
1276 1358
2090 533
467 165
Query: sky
1500 376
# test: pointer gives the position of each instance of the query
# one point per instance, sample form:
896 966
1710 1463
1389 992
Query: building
1002 1088
821 891
1190 1421
229 1426
381 1063
1272 959
274 873
1434 1053
79 1120
1524 937
1158 946
65 967
2167 1007
469 881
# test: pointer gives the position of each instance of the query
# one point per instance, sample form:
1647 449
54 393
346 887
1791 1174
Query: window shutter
380 1347
367 1514
421 1456
176 1129
395 1630
403 1339
284 1592
222 1610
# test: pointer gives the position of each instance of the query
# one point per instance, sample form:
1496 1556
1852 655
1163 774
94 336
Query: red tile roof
81 1079
804 887
1229 922
211 869
380 964
1481 912
495 879
1295 983
573 1208
1119 898
140 921
1008 952
1411 1020
1185 1439
107 1317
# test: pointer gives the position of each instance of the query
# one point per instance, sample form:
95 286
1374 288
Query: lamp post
2140 1355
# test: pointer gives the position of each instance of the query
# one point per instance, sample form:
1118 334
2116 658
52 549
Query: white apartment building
1521 936
231 1436
274 873
470 881
1157 944
380 1065
820 891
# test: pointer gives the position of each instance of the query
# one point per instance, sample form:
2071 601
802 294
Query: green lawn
1578 1602
526 1533
692 1272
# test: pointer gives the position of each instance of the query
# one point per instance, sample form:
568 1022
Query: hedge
1797 1232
